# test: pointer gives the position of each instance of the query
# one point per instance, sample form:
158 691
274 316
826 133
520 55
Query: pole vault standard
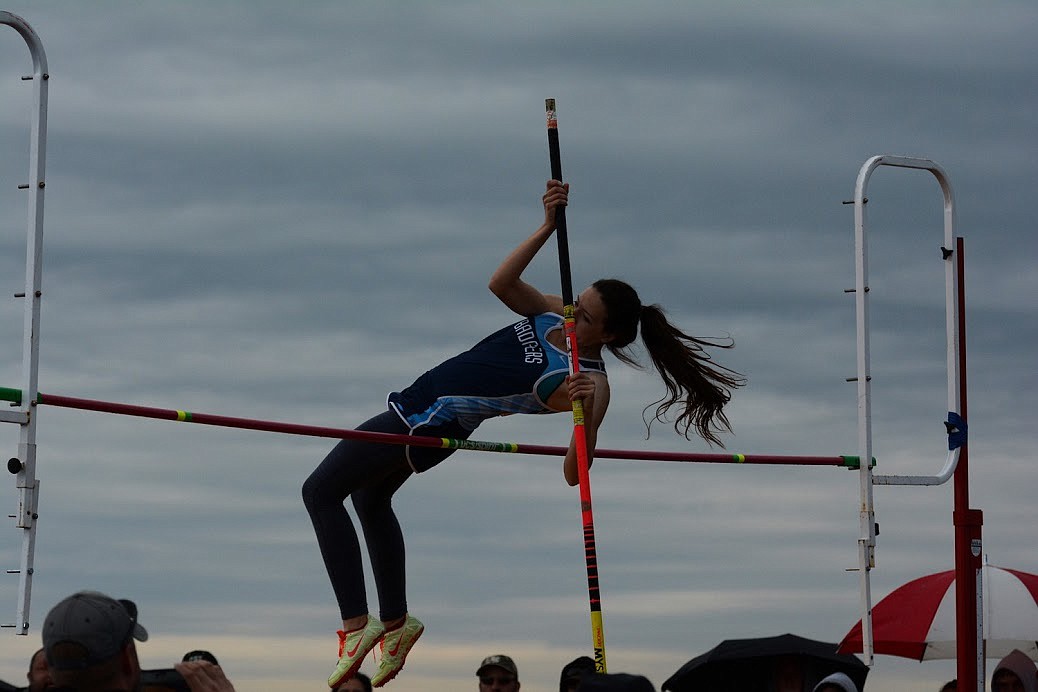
580 441
179 415
25 476
967 521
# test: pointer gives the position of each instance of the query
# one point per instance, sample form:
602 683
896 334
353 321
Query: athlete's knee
314 491
368 502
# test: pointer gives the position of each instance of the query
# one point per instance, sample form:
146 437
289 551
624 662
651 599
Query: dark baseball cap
501 661
88 628
576 669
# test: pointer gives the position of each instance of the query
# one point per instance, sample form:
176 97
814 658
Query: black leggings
370 472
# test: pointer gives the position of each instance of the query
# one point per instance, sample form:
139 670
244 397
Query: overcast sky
285 210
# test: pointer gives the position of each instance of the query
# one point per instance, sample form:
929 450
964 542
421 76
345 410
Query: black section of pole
560 213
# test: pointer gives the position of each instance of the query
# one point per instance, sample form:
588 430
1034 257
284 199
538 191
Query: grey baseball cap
88 628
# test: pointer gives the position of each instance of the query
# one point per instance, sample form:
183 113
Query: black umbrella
766 664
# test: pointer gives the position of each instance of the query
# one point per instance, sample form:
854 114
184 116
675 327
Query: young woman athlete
523 368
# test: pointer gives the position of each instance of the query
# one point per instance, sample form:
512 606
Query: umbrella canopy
756 665
917 620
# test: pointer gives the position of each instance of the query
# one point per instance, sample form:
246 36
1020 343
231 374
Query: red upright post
969 636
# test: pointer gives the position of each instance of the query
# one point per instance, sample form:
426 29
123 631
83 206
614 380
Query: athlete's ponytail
697 385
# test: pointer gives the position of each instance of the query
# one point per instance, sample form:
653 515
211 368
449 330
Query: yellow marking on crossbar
183 416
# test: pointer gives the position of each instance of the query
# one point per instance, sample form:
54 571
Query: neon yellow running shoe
353 647
396 643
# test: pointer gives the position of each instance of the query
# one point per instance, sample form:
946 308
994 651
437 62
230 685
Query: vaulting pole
590 551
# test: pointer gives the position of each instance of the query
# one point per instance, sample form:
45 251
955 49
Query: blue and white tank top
514 370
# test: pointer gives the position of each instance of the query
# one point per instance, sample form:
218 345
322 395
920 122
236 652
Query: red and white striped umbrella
917 620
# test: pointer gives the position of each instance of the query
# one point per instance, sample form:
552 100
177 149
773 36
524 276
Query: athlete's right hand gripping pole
590 552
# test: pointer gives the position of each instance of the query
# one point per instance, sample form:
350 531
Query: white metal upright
24 465
867 536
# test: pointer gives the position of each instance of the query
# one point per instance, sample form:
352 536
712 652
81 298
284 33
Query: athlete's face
590 316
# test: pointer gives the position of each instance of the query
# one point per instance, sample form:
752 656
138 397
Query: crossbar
183 416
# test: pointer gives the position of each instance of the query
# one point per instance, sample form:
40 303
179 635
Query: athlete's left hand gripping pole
590 552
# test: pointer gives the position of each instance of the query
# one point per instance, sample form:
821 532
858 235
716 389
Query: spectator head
498 673
88 640
358 683
1015 673
837 682
573 671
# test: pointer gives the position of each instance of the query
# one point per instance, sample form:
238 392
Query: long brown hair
697 385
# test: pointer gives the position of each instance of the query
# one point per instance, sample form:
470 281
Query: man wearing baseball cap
88 638
498 673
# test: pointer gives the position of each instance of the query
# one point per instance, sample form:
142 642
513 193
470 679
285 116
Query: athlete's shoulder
548 318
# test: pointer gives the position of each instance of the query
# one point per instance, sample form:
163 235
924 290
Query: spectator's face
496 679
1006 681
38 675
788 676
